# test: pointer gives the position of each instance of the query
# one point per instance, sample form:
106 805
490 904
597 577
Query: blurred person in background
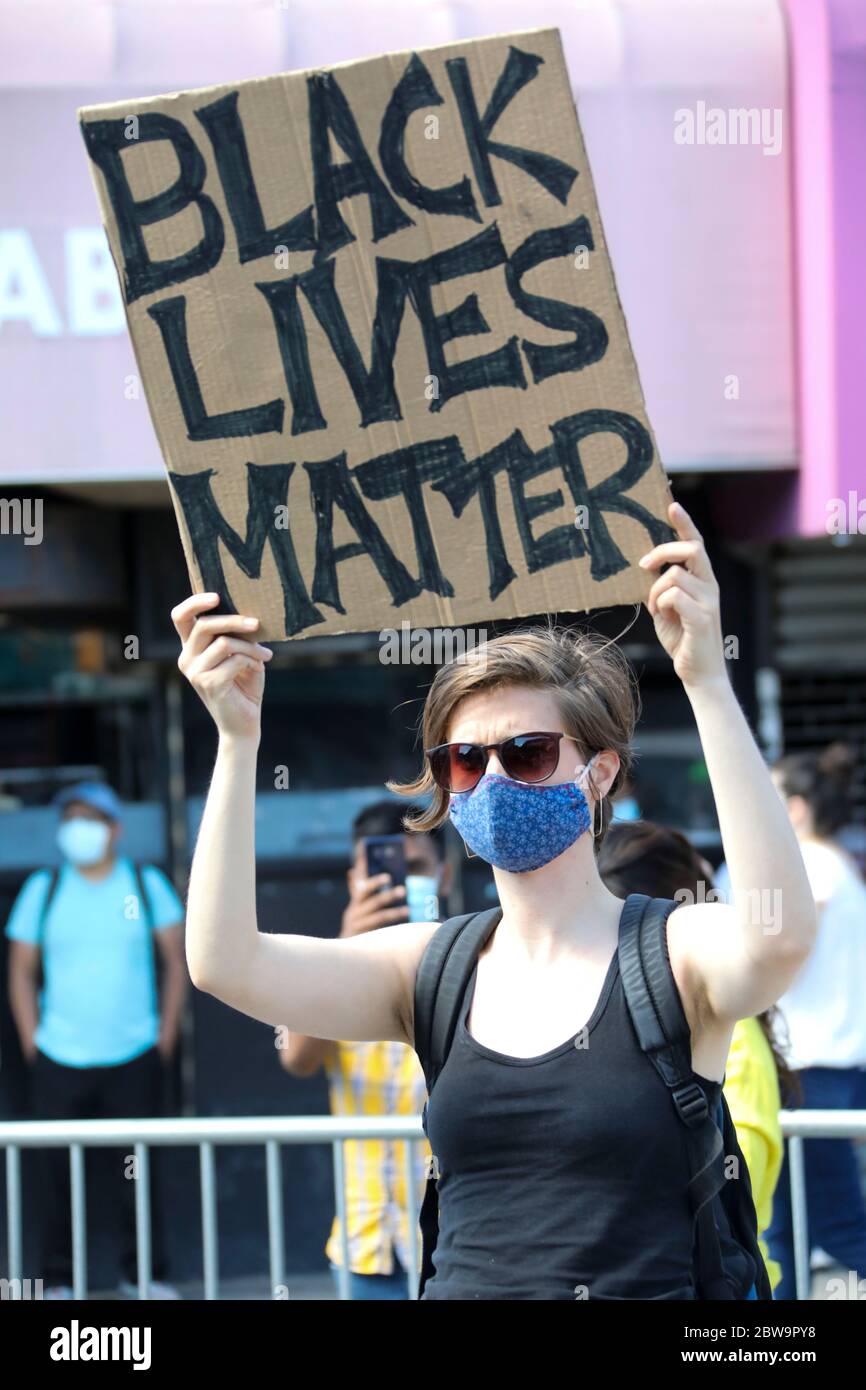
641 857
825 1012
624 806
377 1078
93 1033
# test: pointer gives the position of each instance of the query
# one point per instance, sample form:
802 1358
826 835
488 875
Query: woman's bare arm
355 989
741 957
351 989
302 1056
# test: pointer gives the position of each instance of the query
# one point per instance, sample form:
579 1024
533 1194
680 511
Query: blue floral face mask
520 826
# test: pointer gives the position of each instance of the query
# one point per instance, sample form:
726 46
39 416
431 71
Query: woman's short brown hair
587 675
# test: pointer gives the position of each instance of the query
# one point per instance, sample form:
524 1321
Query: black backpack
728 1263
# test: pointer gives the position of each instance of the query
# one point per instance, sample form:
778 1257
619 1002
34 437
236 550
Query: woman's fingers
683 524
207 629
185 614
686 607
669 553
684 602
688 550
676 578
224 647
231 667
226 670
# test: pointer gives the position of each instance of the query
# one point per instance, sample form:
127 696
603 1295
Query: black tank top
561 1176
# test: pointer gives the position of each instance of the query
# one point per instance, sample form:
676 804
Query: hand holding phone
379 899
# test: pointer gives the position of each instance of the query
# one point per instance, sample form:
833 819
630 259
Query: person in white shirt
825 1012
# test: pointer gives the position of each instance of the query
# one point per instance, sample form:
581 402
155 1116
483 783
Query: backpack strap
50 893
150 922
440 984
663 1033
143 895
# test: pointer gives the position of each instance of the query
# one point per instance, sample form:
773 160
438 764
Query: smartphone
385 855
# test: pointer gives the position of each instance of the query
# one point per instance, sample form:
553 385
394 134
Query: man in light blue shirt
95 1034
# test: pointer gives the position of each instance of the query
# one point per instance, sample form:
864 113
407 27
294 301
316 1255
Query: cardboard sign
380 339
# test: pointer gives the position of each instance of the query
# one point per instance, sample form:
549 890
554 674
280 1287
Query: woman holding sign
561 1165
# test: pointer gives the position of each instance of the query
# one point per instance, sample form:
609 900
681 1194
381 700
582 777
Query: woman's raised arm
744 956
353 989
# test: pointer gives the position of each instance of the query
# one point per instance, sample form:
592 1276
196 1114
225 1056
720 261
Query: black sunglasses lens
530 757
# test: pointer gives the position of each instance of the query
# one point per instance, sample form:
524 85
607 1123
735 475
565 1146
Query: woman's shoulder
405 944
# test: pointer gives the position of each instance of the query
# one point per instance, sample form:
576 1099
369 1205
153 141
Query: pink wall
848 45
827 45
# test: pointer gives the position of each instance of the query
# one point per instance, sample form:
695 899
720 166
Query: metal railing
798 1125
274 1131
142 1135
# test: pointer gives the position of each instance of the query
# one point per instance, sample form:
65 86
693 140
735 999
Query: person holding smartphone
382 1077
526 740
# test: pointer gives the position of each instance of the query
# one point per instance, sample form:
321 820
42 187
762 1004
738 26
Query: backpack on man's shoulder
728 1263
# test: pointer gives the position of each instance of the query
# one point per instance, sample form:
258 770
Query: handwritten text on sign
314 258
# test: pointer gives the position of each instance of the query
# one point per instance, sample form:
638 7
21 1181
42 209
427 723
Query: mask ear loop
597 804
467 851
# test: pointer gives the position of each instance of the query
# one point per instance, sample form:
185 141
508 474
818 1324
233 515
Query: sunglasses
459 767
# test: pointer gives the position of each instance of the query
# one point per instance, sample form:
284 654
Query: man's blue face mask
520 826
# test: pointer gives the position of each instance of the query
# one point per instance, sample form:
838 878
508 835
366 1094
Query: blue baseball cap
96 794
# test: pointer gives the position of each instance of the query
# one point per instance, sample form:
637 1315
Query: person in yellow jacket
377 1078
752 1092
641 857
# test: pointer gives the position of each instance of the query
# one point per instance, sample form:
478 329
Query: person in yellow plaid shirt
376 1078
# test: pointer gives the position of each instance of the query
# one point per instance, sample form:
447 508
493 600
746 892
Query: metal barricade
272 1132
206 1134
